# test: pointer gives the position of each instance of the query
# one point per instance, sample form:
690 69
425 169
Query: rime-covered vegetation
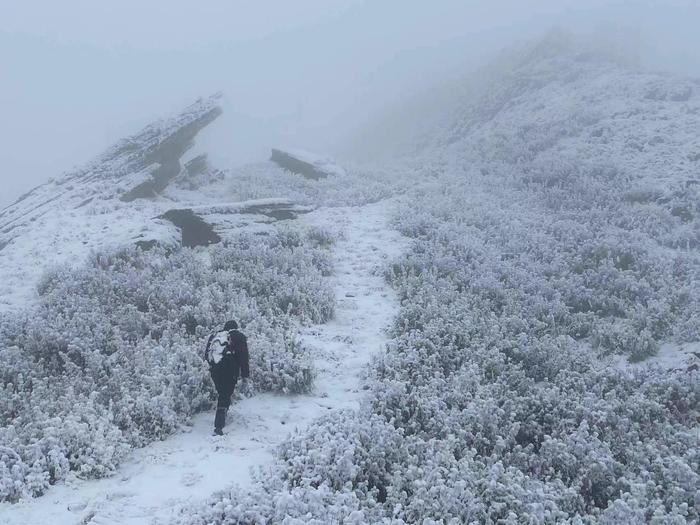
554 219
361 185
486 408
110 358
558 220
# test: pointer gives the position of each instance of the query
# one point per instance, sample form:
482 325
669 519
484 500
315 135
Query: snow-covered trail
166 476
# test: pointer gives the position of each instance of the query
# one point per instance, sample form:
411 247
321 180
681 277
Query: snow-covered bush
111 357
361 185
489 405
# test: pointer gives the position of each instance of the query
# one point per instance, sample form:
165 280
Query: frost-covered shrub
490 398
361 185
111 358
321 236
485 408
563 225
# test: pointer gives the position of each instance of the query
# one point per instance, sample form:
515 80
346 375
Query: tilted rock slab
137 167
306 164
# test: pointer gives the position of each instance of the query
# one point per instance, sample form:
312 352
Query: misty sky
78 75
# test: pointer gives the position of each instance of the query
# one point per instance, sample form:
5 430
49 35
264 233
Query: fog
79 75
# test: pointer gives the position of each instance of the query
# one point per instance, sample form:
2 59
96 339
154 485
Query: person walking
227 355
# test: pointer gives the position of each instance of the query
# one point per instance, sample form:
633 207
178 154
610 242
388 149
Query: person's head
231 325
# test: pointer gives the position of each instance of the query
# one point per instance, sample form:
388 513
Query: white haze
78 75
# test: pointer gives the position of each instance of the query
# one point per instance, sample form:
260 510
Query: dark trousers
225 385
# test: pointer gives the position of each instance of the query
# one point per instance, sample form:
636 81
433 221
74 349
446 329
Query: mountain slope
551 229
139 166
560 100
138 192
162 479
97 205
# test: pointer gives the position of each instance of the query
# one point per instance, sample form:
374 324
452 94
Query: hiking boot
220 418
218 432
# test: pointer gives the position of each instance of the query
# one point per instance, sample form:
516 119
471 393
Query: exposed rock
205 225
306 164
136 167
195 231
166 153
147 245
198 173
197 165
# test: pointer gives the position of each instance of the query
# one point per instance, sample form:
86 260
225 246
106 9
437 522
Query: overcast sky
75 76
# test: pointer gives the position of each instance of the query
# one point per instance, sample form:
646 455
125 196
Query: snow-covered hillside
96 206
594 162
160 481
120 199
542 240
558 103
555 222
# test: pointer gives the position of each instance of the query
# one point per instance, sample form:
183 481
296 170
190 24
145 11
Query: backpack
219 345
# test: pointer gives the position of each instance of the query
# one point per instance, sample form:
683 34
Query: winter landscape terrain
496 320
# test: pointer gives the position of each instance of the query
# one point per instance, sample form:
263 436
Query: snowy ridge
127 163
167 476
560 100
66 218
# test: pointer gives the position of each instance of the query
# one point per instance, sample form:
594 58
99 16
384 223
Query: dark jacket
236 363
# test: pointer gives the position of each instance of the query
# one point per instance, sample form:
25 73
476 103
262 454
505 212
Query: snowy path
188 467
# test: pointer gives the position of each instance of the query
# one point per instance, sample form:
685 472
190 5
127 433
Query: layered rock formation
197 173
137 167
306 164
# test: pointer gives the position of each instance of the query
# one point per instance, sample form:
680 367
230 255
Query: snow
241 207
68 236
80 211
165 476
671 356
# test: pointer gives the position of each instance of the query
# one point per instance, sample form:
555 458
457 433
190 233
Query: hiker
227 355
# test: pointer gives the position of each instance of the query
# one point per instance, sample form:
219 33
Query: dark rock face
167 155
204 225
198 173
278 210
293 164
197 165
195 231
305 164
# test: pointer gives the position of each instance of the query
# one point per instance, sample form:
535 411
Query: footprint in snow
190 478
121 494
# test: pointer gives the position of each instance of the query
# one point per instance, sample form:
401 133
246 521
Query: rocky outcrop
198 173
205 225
306 164
195 230
137 167
162 157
